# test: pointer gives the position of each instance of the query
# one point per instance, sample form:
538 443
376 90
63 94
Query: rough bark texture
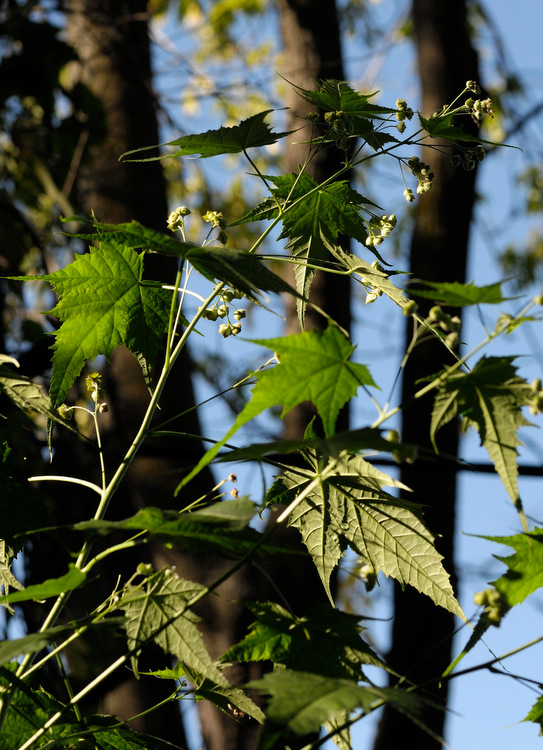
446 60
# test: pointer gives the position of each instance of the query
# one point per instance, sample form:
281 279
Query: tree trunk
446 60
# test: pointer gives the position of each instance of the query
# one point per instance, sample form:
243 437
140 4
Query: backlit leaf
103 303
455 294
313 367
349 507
489 398
250 133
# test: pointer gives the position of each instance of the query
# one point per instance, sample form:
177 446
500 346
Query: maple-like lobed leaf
253 132
313 366
279 636
455 294
489 397
159 612
524 568
313 218
103 303
350 508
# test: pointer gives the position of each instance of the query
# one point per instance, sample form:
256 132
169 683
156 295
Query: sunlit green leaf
349 507
104 302
524 568
313 367
313 217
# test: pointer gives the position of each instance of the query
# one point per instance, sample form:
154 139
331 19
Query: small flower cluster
221 309
93 381
217 221
423 173
379 228
403 113
176 220
450 325
494 603
469 157
479 109
342 126
372 292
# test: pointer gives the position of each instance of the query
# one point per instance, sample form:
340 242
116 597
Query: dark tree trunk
312 51
446 60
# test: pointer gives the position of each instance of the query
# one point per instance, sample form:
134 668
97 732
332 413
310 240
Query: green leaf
30 644
441 126
349 508
31 708
301 702
224 696
159 611
488 398
221 528
335 96
353 440
103 303
240 269
536 714
253 132
29 396
51 587
313 367
281 637
313 217
524 569
461 295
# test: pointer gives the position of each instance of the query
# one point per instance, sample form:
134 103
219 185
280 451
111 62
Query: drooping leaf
32 643
312 366
365 438
223 696
281 637
313 217
253 132
159 612
28 396
244 271
349 507
374 279
52 587
221 528
455 294
488 398
524 568
301 702
103 303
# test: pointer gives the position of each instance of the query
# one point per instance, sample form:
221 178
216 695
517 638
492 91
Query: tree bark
439 245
